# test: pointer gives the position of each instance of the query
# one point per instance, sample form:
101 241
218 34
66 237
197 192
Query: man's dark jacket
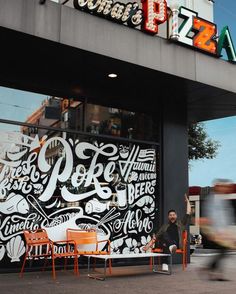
181 225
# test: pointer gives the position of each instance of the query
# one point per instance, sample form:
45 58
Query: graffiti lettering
144 166
90 177
139 189
147 176
58 173
133 222
8 184
13 226
37 190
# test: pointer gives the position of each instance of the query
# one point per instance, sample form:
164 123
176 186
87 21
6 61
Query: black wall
174 155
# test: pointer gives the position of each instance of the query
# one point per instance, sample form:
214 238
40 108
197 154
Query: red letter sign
204 39
155 13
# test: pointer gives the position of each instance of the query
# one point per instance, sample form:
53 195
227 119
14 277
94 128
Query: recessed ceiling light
112 75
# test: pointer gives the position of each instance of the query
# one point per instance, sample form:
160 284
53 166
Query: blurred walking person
219 216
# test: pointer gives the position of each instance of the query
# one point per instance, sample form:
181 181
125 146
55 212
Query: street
132 279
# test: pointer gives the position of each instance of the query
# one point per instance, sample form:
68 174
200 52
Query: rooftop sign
184 25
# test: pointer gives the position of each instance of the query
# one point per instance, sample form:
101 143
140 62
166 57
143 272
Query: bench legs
102 278
169 272
152 262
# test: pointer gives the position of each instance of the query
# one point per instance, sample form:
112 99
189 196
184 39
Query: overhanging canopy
60 51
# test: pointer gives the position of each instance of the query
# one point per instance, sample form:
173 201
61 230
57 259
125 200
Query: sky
203 172
17 105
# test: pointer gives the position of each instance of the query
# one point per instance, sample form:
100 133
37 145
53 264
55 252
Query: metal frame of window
113 138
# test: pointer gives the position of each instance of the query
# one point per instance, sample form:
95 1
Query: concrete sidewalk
135 279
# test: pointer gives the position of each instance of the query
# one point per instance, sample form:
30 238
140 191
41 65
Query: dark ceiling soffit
50 68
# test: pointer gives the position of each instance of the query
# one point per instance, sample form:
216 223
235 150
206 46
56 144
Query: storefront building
81 148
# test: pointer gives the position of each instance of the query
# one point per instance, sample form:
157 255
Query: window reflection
121 123
64 113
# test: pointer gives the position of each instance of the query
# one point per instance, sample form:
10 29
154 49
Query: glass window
53 177
121 123
56 180
20 105
63 113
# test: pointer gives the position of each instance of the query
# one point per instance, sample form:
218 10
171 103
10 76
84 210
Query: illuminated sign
129 14
155 13
185 26
197 32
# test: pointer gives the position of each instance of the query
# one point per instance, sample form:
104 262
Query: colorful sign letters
184 25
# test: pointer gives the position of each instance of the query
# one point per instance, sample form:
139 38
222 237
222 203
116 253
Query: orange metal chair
87 237
183 250
39 238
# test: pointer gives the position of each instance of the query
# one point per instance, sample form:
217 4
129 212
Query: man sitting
169 236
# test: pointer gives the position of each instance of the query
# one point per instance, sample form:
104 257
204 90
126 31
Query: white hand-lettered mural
57 183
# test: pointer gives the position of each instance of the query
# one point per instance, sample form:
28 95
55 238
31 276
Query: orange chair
183 250
87 237
39 238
